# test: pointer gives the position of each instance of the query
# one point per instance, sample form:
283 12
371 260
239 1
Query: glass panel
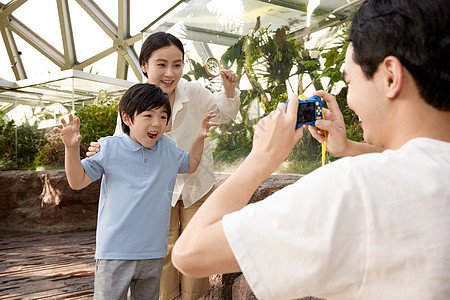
68 88
42 17
223 22
89 38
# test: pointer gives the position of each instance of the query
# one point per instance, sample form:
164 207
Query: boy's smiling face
148 126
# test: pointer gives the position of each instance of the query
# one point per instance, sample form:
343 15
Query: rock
220 287
241 290
272 184
43 200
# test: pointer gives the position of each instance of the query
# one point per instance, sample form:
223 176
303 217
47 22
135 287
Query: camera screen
306 112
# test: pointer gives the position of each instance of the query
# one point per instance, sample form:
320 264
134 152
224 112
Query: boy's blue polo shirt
135 196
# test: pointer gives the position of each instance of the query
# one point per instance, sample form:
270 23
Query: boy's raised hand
207 124
70 133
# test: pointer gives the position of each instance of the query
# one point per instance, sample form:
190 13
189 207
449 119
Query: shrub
98 119
52 152
18 144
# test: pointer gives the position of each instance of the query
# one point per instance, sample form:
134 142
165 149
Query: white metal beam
94 58
36 41
162 16
133 62
99 17
203 50
70 56
122 68
123 34
134 39
11 6
13 54
325 20
124 19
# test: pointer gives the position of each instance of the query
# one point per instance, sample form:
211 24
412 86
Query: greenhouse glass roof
64 87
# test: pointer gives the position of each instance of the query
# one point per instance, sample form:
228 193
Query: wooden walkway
47 265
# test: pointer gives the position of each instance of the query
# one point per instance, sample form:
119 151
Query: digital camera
309 110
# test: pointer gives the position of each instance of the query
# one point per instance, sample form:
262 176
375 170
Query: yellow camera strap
324 148
324 144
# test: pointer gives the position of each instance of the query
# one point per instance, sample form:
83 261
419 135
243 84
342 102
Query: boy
373 226
139 170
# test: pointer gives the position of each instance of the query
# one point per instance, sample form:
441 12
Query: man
373 226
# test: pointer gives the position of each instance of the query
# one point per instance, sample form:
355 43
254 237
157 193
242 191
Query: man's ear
126 119
393 76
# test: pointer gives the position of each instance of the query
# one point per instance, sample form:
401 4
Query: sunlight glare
312 5
230 13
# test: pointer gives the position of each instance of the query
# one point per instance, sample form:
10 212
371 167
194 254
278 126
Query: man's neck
418 119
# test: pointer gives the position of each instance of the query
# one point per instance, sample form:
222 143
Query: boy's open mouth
152 134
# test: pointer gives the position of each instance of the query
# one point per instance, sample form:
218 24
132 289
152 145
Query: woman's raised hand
229 81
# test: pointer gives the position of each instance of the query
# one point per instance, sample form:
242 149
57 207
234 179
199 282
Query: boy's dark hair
417 32
157 41
142 97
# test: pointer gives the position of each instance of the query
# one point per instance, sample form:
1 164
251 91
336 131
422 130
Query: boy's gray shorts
114 277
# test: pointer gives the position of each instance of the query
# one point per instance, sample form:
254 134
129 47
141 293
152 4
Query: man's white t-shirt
375 226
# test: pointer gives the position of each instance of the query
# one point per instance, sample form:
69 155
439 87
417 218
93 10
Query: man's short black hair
417 32
142 97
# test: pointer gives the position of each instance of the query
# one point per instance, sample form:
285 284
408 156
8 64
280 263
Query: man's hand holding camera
275 135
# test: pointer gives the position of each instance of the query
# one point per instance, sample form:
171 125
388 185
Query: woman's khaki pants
171 279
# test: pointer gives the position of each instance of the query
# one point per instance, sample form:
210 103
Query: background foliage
39 148
268 58
28 139
98 120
